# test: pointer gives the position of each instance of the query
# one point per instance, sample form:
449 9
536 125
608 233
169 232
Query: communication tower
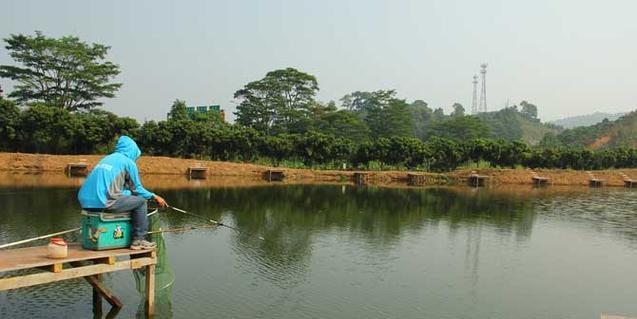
483 92
474 103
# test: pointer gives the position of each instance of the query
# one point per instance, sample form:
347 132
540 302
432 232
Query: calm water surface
333 251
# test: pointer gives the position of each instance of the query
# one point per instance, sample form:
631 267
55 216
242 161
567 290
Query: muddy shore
250 174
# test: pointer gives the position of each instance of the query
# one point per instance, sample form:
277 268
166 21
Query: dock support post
97 299
150 290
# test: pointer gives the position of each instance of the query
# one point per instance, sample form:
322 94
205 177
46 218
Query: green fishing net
164 276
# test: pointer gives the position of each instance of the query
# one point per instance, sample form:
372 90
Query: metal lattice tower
483 92
474 103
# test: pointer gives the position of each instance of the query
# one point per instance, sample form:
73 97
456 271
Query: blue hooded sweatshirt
116 175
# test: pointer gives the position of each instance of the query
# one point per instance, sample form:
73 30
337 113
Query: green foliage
513 125
528 110
458 110
606 134
460 128
278 103
65 72
178 111
422 116
9 125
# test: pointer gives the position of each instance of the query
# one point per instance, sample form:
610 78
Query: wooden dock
197 172
416 179
594 181
87 264
477 180
361 178
274 175
76 169
540 180
628 182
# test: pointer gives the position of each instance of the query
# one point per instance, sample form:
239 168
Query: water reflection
331 251
290 218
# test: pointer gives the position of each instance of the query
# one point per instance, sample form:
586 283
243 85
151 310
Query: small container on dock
102 230
57 248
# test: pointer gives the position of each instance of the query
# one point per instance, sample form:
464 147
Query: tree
64 72
363 102
458 110
277 102
529 110
9 124
397 120
46 129
461 128
178 111
422 115
345 124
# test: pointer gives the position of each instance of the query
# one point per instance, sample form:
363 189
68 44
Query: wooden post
97 299
150 290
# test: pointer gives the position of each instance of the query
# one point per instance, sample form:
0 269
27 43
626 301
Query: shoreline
231 172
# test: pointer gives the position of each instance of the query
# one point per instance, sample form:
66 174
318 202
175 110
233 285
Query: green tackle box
102 230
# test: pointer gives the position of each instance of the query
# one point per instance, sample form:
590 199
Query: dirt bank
150 165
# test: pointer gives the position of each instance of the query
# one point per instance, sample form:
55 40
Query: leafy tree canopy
278 102
64 72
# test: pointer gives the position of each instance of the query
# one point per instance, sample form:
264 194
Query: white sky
568 57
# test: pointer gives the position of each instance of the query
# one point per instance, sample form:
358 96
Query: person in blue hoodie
114 186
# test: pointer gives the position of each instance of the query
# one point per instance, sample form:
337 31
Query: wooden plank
52 268
99 288
33 257
150 290
110 260
103 291
47 277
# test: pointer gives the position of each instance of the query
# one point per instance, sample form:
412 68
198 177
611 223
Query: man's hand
161 201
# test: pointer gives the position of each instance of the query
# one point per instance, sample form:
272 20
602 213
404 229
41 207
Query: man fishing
114 186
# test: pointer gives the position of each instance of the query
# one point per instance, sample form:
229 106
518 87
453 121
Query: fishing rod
202 217
38 238
214 222
180 229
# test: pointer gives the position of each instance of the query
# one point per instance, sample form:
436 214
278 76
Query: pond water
337 251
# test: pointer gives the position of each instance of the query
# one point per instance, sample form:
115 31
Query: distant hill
605 134
586 120
510 124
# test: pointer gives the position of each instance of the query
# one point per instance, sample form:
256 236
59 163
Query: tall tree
9 124
529 110
64 72
178 111
363 102
461 128
458 110
277 102
422 114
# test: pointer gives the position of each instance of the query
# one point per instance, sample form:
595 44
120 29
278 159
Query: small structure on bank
540 180
416 179
274 175
477 180
76 169
594 181
361 178
197 172
628 182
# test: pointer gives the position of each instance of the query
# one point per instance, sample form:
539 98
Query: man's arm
138 189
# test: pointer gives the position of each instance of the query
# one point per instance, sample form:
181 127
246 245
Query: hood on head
128 147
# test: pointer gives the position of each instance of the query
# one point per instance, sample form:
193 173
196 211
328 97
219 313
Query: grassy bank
150 165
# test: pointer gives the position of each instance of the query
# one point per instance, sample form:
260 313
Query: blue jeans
138 208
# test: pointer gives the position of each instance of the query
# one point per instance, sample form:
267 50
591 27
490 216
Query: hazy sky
568 57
